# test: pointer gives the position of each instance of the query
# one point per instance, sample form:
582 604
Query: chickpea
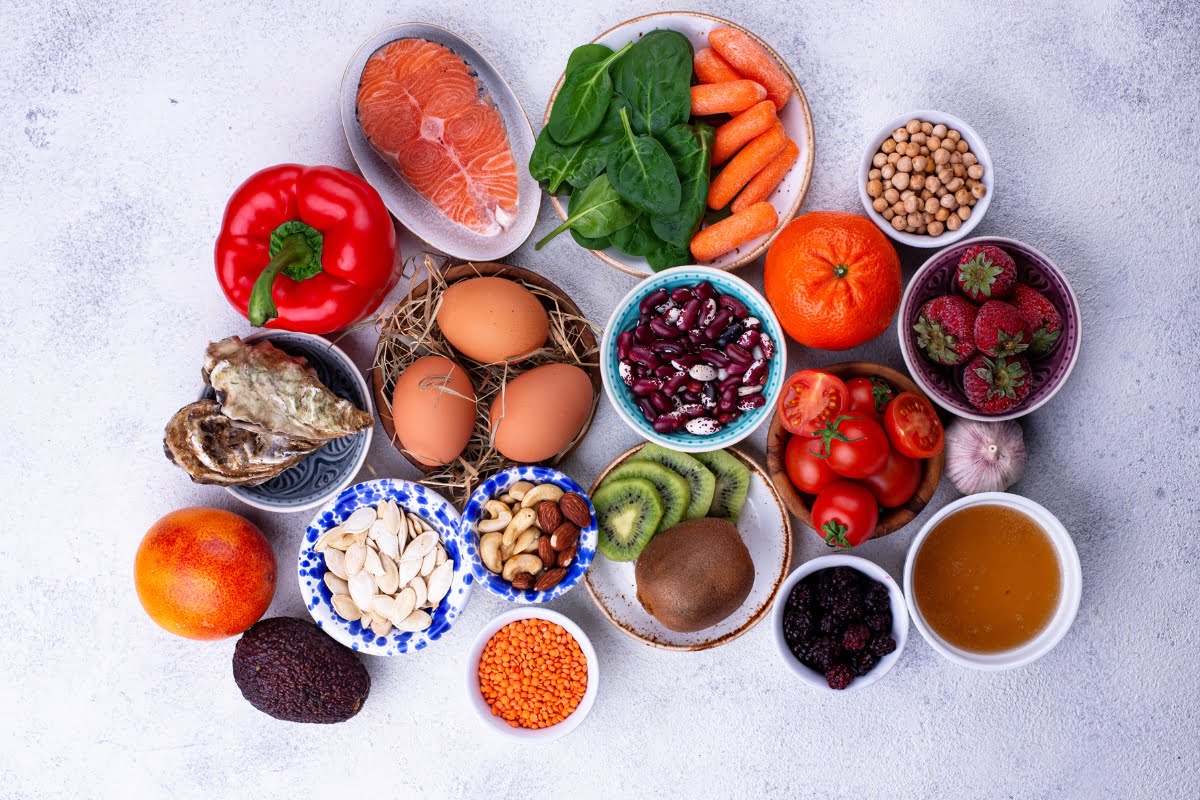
942 214
953 223
974 171
959 170
913 126
874 175
945 174
888 214
907 193
905 164
900 135
921 229
923 151
932 205
919 138
962 146
910 204
887 172
874 187
898 207
899 221
949 202
956 158
969 159
934 142
919 163
953 135
940 157
954 184
926 217
900 180
879 204
978 191
891 195
914 219
926 128
939 131
940 192
936 228
933 183
964 213
894 157
879 160
888 146
912 149
917 181
963 196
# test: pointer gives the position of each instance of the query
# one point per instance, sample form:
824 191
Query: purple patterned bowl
944 384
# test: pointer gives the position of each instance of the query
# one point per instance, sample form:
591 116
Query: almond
548 516
564 536
546 551
575 508
522 580
550 578
567 556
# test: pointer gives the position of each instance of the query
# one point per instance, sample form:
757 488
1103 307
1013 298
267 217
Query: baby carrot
711 68
721 237
745 165
727 97
730 137
749 59
761 185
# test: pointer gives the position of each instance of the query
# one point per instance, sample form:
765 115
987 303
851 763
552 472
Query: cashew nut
526 542
546 491
523 520
507 499
500 517
522 563
519 489
489 551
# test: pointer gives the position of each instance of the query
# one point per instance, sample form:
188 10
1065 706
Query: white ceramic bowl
484 711
978 148
899 620
1068 601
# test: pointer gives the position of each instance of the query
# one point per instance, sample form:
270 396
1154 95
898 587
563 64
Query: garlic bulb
984 456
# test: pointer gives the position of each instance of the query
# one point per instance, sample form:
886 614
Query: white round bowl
1068 601
899 620
484 711
978 148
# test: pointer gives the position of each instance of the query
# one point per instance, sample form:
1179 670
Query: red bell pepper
309 249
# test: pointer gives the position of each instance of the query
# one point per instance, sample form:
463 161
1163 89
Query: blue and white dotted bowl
494 487
326 472
414 499
625 318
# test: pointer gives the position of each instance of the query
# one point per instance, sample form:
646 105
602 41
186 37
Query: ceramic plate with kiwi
692 546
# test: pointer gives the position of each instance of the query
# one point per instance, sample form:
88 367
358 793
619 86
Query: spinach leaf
593 158
600 211
611 128
596 243
667 255
587 54
581 102
637 239
551 163
642 172
690 148
656 77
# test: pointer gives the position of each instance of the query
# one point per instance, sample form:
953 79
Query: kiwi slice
733 482
628 512
672 488
701 481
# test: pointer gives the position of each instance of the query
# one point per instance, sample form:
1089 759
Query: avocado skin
293 671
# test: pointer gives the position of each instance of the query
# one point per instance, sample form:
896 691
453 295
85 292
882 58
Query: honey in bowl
987 579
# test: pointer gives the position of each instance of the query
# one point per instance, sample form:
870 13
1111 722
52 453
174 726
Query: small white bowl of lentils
926 179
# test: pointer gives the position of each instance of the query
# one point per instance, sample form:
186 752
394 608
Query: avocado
292 670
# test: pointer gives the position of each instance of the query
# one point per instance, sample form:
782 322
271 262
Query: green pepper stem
261 308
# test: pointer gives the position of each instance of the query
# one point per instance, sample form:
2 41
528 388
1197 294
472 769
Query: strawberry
985 272
1041 316
996 385
945 330
1000 330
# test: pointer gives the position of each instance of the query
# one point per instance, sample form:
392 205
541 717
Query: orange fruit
204 573
833 279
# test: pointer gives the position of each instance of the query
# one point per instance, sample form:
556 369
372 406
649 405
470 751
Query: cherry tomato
845 514
913 426
869 396
809 472
855 445
810 400
896 482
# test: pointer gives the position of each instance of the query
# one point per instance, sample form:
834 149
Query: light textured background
123 128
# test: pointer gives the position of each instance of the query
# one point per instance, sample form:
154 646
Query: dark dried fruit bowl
800 504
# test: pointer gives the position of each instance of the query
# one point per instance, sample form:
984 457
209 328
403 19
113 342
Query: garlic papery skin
984 456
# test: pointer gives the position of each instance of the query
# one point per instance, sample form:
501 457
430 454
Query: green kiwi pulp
702 482
672 488
733 482
628 512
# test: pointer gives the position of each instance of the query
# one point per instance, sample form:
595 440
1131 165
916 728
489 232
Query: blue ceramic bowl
494 487
329 470
625 317
414 499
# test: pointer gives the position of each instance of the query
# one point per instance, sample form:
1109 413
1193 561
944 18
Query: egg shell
540 412
433 425
492 319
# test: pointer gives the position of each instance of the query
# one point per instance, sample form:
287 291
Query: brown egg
433 424
539 412
492 319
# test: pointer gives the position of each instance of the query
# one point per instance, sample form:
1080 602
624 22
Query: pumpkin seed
345 607
360 520
416 621
429 562
418 586
405 602
439 583
362 589
381 627
389 514
356 556
421 545
383 605
389 544
327 537
335 562
372 564
336 585
410 567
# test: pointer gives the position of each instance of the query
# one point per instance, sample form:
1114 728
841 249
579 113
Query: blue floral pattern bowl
494 487
414 499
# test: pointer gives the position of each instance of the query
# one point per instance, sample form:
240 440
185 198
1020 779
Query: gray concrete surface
124 126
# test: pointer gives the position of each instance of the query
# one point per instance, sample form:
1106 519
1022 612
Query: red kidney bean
689 313
624 342
718 323
668 349
664 371
692 409
661 402
754 375
670 422
730 334
681 294
662 329
643 335
735 306
651 300
704 290
646 385
751 323
686 360
752 402
730 382
748 340
728 400
647 409
696 336
673 384
737 368
694 385
689 397
727 417
710 393
714 357
644 356
767 345
737 354
708 313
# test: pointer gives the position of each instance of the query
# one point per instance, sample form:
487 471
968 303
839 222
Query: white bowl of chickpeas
926 179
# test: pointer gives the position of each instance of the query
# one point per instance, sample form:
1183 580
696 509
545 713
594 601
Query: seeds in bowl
530 534
924 179
385 569
533 674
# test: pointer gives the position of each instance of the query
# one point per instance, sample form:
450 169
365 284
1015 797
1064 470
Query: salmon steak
423 110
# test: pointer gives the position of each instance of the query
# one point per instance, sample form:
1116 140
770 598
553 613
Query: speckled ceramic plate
330 469
767 531
410 207
496 486
414 499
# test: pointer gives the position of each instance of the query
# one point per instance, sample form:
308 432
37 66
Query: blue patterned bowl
329 470
625 317
494 487
415 499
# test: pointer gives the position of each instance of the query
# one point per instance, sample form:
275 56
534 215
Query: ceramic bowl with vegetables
675 138
693 359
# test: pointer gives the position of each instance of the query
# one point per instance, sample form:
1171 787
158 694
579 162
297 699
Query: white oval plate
765 528
414 211
796 118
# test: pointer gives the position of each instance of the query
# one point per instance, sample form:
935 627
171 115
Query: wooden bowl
800 504
385 384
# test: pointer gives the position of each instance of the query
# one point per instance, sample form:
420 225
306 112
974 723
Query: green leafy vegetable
556 165
597 243
581 102
600 212
656 78
642 172
587 54
637 239
690 149
667 255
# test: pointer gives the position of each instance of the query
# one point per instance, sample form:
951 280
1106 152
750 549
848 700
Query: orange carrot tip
734 231
749 58
711 68
734 134
727 97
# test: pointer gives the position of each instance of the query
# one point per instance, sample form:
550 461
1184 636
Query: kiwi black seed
702 482
733 483
628 512
671 486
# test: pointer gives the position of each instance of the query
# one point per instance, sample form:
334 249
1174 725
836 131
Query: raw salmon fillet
422 109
